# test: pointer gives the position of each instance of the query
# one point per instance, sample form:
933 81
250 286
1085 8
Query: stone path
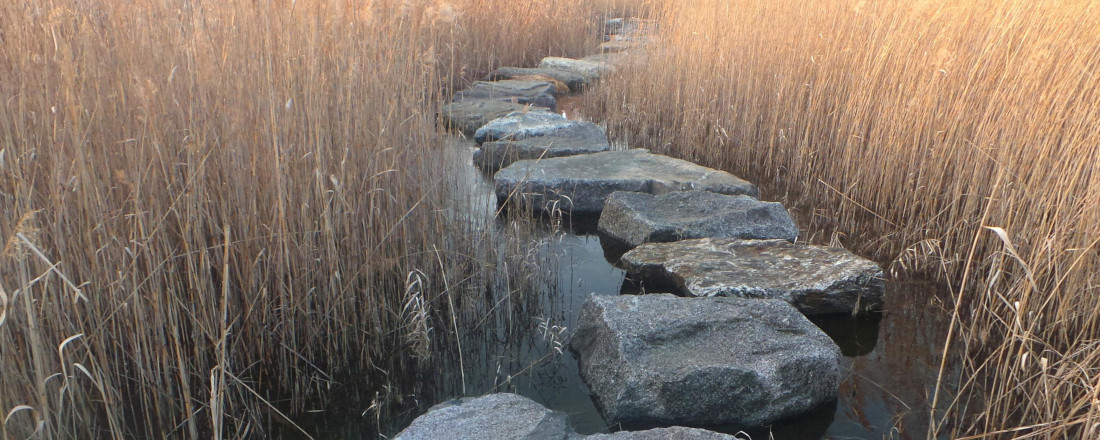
737 349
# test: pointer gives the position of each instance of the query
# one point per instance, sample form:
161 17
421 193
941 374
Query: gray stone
520 125
574 81
635 218
468 116
581 138
590 70
626 29
611 58
492 417
617 46
673 433
816 279
662 359
580 184
536 93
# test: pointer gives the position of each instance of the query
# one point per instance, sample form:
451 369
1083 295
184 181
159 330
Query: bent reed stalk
905 124
209 209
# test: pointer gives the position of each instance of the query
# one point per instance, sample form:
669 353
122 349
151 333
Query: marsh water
515 339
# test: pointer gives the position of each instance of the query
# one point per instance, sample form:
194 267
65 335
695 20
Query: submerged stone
815 279
536 93
573 80
580 138
636 218
468 116
580 184
493 417
520 125
662 359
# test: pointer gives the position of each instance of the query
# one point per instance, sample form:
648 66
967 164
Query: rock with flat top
574 81
521 125
673 433
580 138
468 116
635 218
815 279
590 70
581 184
536 93
662 359
493 417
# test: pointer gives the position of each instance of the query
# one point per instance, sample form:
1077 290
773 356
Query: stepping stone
574 81
520 125
617 46
493 417
582 138
536 93
468 116
662 359
815 279
590 70
580 184
626 29
610 59
635 218
673 433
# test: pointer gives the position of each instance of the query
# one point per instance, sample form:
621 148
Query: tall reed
211 211
916 129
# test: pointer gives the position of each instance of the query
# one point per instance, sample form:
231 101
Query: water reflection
513 339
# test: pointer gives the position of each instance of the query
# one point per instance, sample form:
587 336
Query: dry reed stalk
898 117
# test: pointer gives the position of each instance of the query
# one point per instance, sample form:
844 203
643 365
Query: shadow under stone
812 425
856 335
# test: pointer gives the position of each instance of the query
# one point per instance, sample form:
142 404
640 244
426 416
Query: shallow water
515 340
890 358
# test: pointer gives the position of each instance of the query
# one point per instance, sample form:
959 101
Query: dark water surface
519 343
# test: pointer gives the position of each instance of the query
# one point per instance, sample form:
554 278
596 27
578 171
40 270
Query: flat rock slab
581 138
673 433
815 279
580 184
468 116
536 93
662 359
523 124
590 70
575 81
636 218
493 417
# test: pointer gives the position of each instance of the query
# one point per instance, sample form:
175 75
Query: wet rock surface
815 279
662 360
574 139
590 70
636 218
673 433
536 93
468 116
580 184
574 81
493 417
523 124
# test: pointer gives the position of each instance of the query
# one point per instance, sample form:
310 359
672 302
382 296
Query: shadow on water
514 340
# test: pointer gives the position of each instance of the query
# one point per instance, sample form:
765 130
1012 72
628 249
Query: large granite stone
536 93
628 29
816 279
468 116
492 417
636 218
579 138
590 70
520 125
580 184
574 81
673 433
662 359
